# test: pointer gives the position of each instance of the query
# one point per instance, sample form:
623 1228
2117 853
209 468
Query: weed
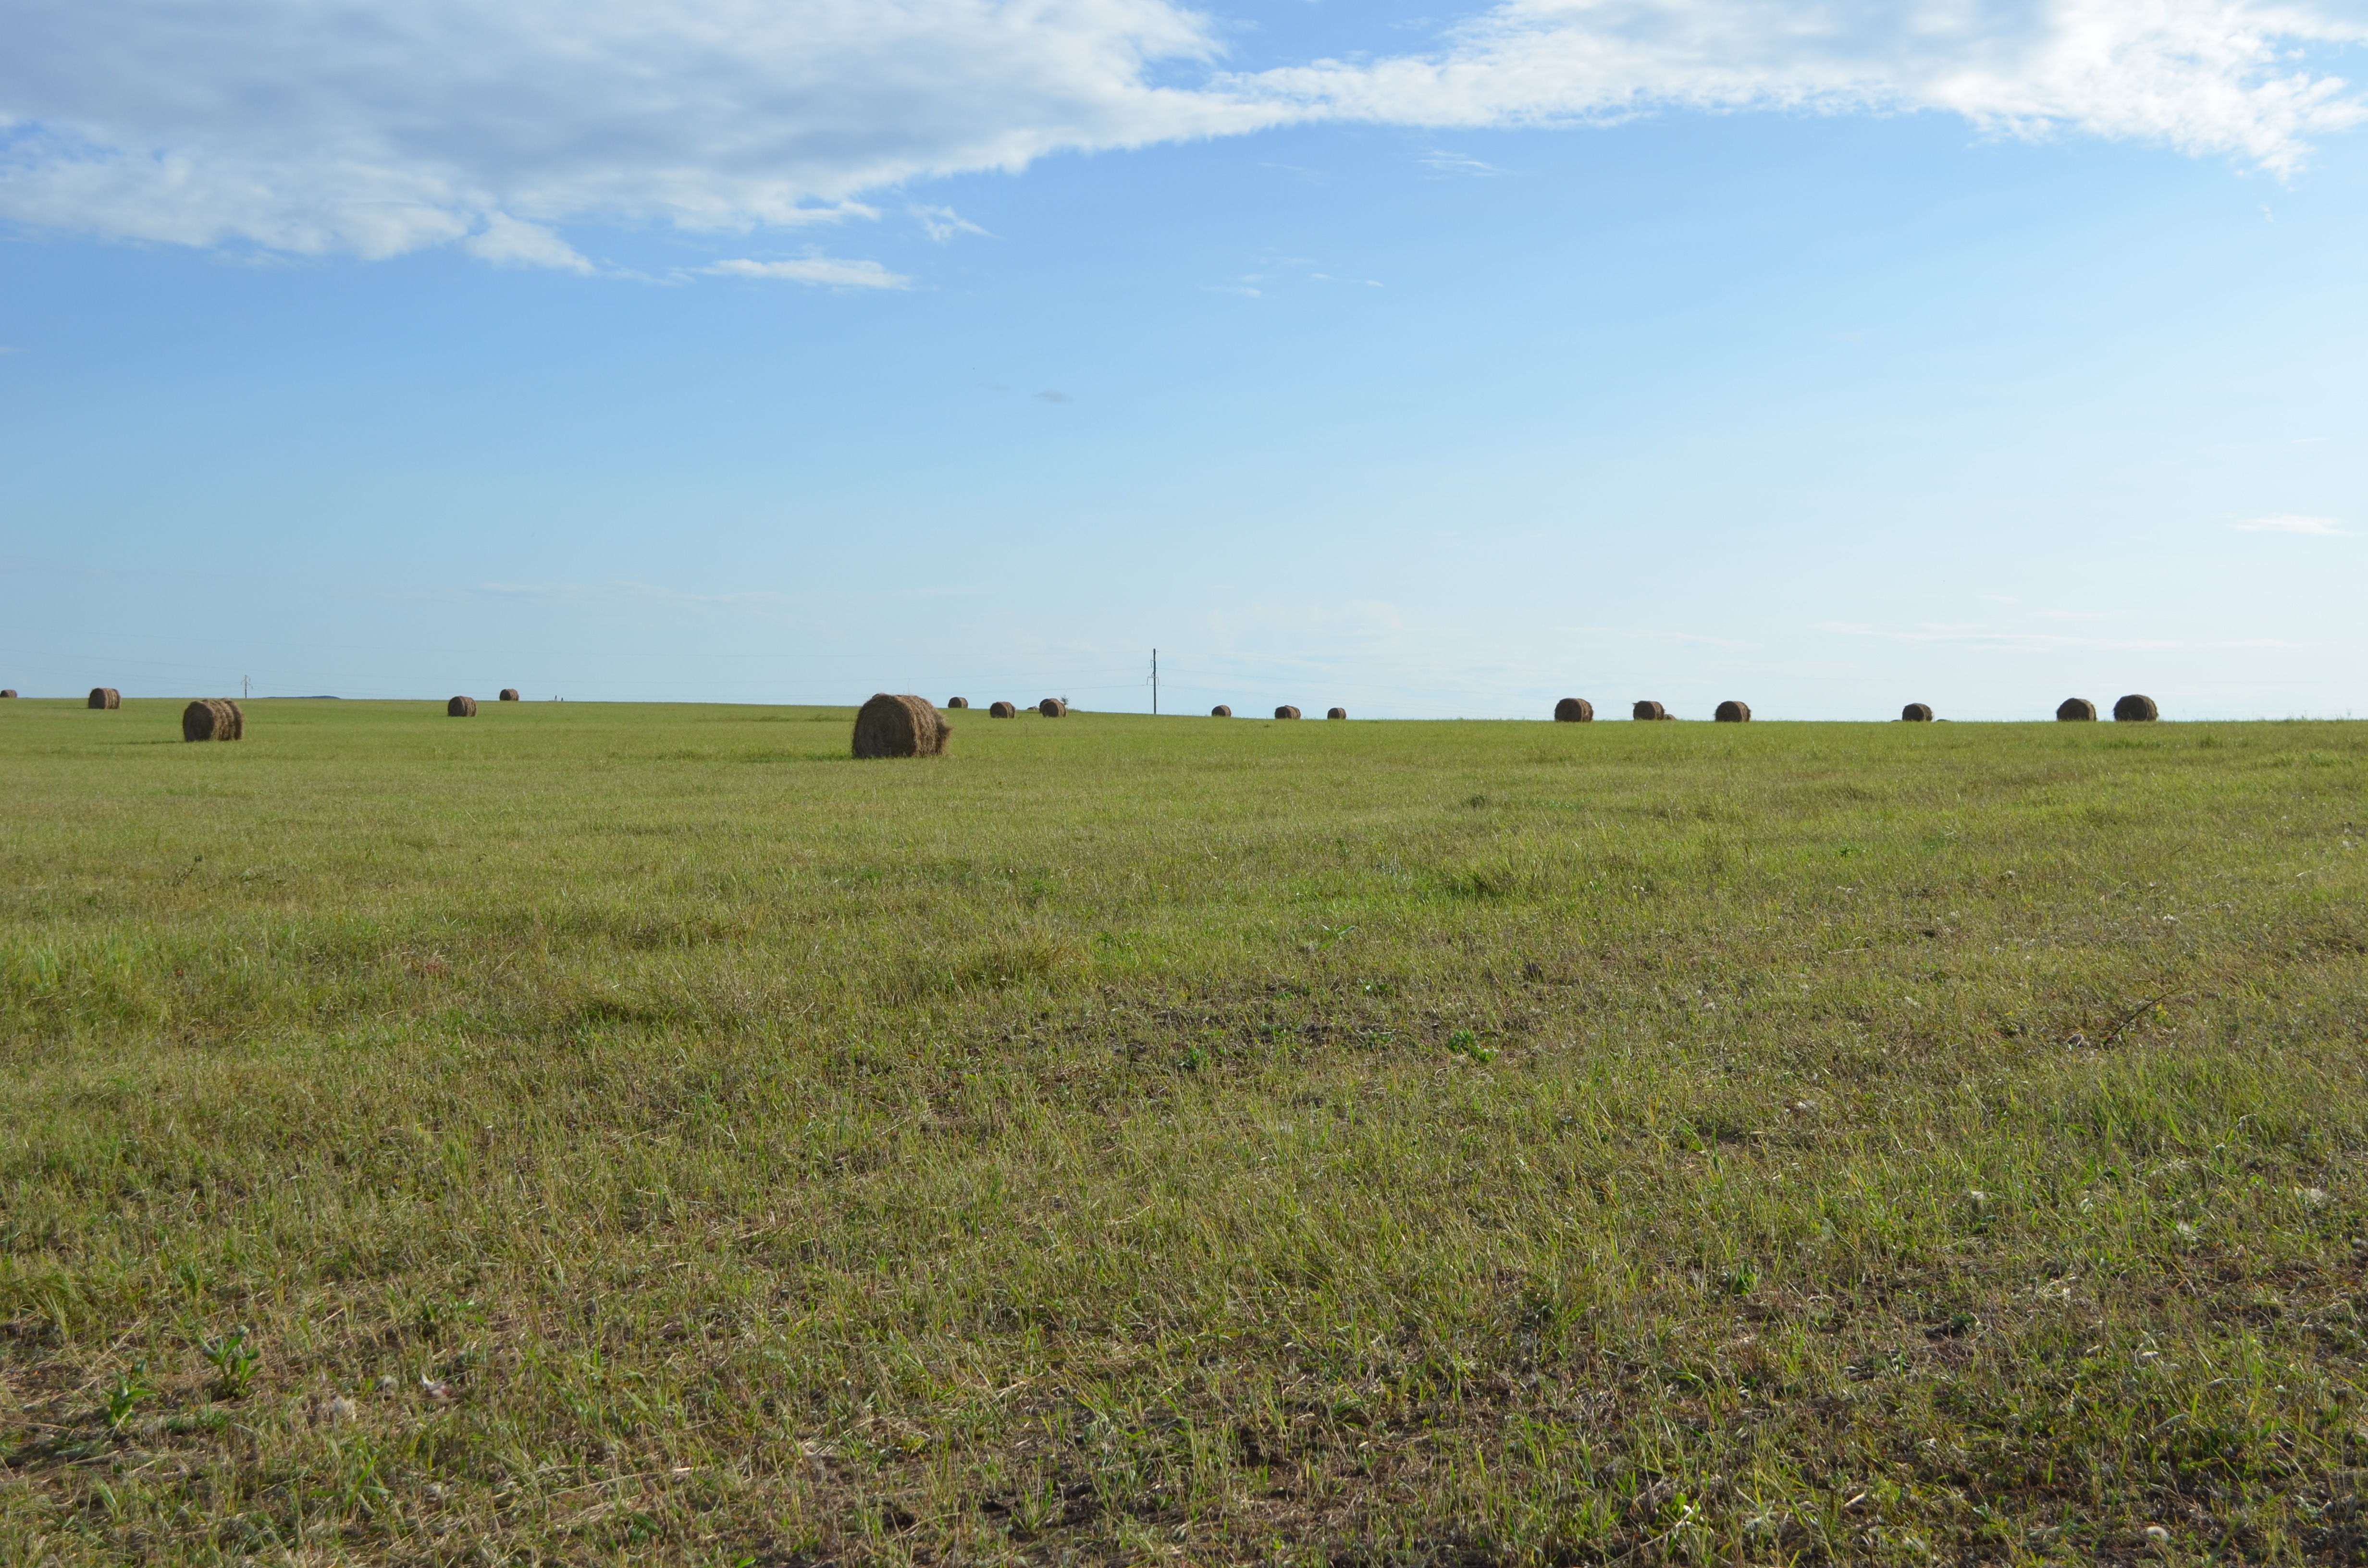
234 1362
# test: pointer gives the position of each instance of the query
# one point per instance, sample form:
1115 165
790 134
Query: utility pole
1154 683
246 689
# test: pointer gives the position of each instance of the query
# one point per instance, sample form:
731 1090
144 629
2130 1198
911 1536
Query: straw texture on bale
1649 711
509 694
6 692
892 725
2135 710
460 708
1917 713
1731 713
2076 707
1052 707
1336 712
1001 710
1574 710
957 701
105 697
212 719
1286 712
1221 712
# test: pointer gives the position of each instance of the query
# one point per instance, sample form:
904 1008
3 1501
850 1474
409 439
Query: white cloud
942 223
2289 524
507 241
376 127
2201 75
821 270
1456 164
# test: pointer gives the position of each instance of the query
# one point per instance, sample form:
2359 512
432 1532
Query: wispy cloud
2290 525
819 270
506 241
1049 396
1457 163
1974 636
942 223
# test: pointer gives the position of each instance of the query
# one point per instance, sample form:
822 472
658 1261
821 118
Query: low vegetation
604 1134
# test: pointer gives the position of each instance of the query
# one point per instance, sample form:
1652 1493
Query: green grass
620 1134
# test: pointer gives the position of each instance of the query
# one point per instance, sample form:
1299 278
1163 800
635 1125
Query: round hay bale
460 708
1917 713
1052 707
1649 711
1221 712
1286 712
1336 712
1574 710
105 697
957 701
509 694
1001 710
6 692
2074 709
1732 712
2135 710
891 725
212 719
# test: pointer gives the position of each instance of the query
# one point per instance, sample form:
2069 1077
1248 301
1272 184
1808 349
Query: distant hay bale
212 719
105 697
2135 710
509 694
1052 707
6 692
1286 712
1001 710
1917 713
1221 712
1336 712
1574 710
957 701
1649 711
2076 708
460 708
891 725
1733 713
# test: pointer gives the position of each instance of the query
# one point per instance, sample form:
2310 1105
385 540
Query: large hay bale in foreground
1336 712
509 694
1221 712
1732 712
1052 707
1574 710
1648 711
2135 710
892 725
2074 709
212 719
1286 712
105 697
460 708
1001 710
1917 713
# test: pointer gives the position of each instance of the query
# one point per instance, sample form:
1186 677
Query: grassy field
593 1133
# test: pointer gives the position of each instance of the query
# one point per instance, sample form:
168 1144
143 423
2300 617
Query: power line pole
1154 683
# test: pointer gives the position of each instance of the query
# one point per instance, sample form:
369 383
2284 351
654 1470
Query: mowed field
628 1134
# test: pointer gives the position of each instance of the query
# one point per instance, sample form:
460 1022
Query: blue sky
1826 357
